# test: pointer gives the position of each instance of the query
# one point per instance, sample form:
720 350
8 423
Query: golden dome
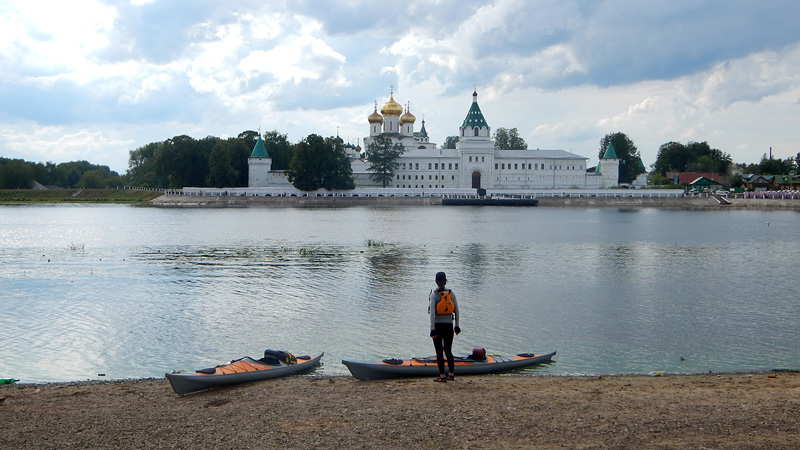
391 108
375 117
407 117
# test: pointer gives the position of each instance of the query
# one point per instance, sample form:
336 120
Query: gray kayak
242 370
427 367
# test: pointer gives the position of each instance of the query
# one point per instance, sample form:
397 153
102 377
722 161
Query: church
473 164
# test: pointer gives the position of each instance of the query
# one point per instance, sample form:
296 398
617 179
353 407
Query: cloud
564 72
54 143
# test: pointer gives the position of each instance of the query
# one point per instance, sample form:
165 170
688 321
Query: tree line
21 174
316 162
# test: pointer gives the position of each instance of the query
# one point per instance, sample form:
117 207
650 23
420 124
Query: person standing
443 309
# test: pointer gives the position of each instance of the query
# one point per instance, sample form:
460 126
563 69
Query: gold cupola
407 117
375 117
391 108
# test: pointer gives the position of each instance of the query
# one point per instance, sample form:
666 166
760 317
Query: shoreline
700 203
740 410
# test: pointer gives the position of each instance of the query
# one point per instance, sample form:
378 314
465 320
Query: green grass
28 196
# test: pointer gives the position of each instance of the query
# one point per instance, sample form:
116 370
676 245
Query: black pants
443 343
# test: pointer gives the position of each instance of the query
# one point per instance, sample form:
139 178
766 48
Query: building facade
474 163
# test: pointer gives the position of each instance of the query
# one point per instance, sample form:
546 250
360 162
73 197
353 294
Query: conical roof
259 151
474 115
610 153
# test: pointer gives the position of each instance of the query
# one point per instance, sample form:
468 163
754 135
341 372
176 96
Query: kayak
426 367
241 370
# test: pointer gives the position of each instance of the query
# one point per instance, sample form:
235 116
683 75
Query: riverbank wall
223 201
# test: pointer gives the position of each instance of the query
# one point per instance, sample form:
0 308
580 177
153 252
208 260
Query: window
495 166
436 166
470 159
503 166
515 166
476 131
449 166
482 159
416 166
456 166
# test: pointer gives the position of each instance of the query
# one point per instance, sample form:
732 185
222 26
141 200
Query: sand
710 411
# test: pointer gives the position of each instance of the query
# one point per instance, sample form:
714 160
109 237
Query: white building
474 163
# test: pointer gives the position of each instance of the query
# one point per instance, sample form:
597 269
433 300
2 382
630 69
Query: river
118 291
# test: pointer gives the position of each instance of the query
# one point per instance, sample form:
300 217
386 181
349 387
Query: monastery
474 163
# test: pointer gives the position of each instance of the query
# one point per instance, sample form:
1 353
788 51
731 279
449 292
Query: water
130 291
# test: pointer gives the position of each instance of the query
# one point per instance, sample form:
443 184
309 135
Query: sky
94 79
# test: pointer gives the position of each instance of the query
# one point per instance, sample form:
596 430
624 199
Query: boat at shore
242 370
427 367
485 201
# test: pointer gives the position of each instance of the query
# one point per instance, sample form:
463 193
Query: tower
259 164
475 149
609 167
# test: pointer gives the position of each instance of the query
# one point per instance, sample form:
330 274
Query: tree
141 166
183 161
318 163
450 142
627 153
692 157
92 179
339 172
240 150
279 149
220 170
15 174
505 139
773 166
382 155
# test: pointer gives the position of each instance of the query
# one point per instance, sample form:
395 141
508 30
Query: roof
688 177
541 154
703 181
259 151
610 153
498 154
474 115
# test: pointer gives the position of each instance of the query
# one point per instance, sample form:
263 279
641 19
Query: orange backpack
445 304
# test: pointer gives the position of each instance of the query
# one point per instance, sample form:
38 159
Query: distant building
687 177
474 163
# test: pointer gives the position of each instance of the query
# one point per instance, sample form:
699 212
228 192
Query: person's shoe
450 378
440 379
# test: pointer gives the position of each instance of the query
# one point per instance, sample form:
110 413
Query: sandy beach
709 411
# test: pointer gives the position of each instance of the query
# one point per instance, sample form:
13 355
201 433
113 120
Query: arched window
476 131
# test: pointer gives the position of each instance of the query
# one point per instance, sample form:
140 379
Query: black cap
441 278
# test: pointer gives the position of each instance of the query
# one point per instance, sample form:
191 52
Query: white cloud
58 37
60 144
